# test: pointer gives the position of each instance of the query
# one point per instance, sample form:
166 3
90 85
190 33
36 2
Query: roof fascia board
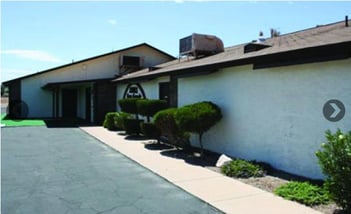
303 56
53 84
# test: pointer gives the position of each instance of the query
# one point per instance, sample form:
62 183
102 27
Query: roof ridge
290 33
312 28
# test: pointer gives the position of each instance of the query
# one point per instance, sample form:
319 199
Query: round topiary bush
335 161
150 130
303 192
132 126
198 118
149 108
109 121
129 105
165 121
242 169
119 119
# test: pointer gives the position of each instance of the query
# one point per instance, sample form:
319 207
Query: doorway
164 91
69 103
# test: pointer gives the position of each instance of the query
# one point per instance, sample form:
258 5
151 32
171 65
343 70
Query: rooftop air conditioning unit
200 44
131 61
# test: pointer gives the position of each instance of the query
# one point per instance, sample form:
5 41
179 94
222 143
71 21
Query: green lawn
11 123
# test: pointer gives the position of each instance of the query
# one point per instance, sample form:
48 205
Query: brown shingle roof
325 35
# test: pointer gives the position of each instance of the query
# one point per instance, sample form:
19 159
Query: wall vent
131 62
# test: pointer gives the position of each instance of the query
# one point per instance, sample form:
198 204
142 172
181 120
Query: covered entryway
88 100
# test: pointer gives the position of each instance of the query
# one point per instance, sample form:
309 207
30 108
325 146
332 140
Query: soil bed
271 181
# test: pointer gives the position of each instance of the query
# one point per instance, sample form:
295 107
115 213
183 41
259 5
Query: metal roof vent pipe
346 21
261 39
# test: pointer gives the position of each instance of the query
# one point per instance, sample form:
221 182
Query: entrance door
164 91
69 103
88 104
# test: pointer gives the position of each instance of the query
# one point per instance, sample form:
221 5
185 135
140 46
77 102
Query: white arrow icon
337 110
334 110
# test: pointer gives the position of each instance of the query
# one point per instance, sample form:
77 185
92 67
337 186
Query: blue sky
36 36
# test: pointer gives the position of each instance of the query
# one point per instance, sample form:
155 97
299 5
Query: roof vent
131 61
254 46
200 45
153 68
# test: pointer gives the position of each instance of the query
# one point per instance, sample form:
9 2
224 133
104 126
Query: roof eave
322 53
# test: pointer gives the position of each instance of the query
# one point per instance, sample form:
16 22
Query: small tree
119 119
129 105
198 118
149 108
165 121
150 130
335 161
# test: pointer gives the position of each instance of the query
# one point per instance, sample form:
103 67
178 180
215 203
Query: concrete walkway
226 194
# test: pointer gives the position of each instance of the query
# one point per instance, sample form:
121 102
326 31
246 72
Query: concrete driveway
64 170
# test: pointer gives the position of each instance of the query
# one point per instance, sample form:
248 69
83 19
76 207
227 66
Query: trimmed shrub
129 105
132 126
165 121
119 119
109 121
335 161
150 130
198 118
242 169
303 192
149 108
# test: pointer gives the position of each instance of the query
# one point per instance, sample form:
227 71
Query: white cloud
112 21
32 54
11 73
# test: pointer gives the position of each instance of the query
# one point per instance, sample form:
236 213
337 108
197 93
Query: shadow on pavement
66 123
157 146
135 138
191 157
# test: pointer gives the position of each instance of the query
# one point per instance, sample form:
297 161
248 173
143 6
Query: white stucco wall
151 88
39 101
273 115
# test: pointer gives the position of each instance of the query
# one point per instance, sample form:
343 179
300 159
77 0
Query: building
81 89
278 95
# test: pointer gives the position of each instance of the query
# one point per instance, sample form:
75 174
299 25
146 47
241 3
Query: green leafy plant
242 169
132 126
150 130
198 118
165 121
129 105
335 160
109 121
303 192
119 119
149 108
